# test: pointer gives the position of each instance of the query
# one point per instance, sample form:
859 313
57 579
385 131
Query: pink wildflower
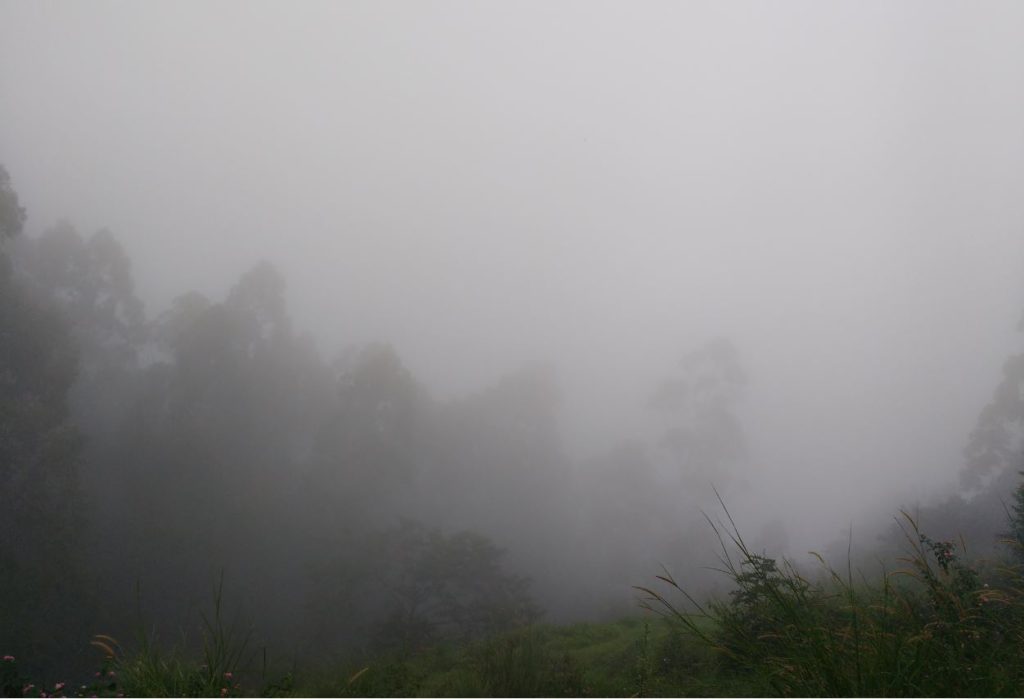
59 686
9 658
27 688
228 675
223 691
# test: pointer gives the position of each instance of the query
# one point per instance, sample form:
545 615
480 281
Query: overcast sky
835 186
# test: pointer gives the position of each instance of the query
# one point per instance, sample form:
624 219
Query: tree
365 450
994 457
501 450
996 446
89 281
411 584
703 435
12 214
449 586
12 219
209 455
1015 515
41 515
622 499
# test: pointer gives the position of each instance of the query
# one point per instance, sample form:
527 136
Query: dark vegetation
357 537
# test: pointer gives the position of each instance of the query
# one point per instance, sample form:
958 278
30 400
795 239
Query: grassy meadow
936 625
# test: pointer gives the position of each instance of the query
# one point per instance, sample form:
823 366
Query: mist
540 214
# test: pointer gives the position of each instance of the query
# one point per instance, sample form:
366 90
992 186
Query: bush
932 628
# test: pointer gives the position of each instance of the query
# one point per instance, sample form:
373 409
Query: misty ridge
428 349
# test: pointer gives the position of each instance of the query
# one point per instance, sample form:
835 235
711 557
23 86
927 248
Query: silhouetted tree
996 446
411 584
369 438
41 514
210 451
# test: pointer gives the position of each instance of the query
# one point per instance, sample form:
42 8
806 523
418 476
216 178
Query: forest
527 348
204 485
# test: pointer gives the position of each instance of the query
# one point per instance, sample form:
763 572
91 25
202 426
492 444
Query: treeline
144 458
340 502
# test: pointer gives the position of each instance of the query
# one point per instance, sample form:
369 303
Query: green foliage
12 684
519 665
933 628
414 585
150 670
1015 515
631 657
454 584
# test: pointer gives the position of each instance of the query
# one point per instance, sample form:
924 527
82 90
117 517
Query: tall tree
222 410
996 446
41 513
12 214
703 435
365 450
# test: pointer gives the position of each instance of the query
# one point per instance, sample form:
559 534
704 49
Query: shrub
931 628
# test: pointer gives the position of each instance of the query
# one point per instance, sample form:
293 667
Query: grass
632 657
936 625
931 628
152 670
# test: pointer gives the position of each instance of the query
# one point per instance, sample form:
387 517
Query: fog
599 187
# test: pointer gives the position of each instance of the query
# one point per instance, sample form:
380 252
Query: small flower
27 688
59 686
223 691
9 658
228 675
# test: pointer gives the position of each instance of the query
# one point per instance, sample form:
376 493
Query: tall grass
934 627
149 670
